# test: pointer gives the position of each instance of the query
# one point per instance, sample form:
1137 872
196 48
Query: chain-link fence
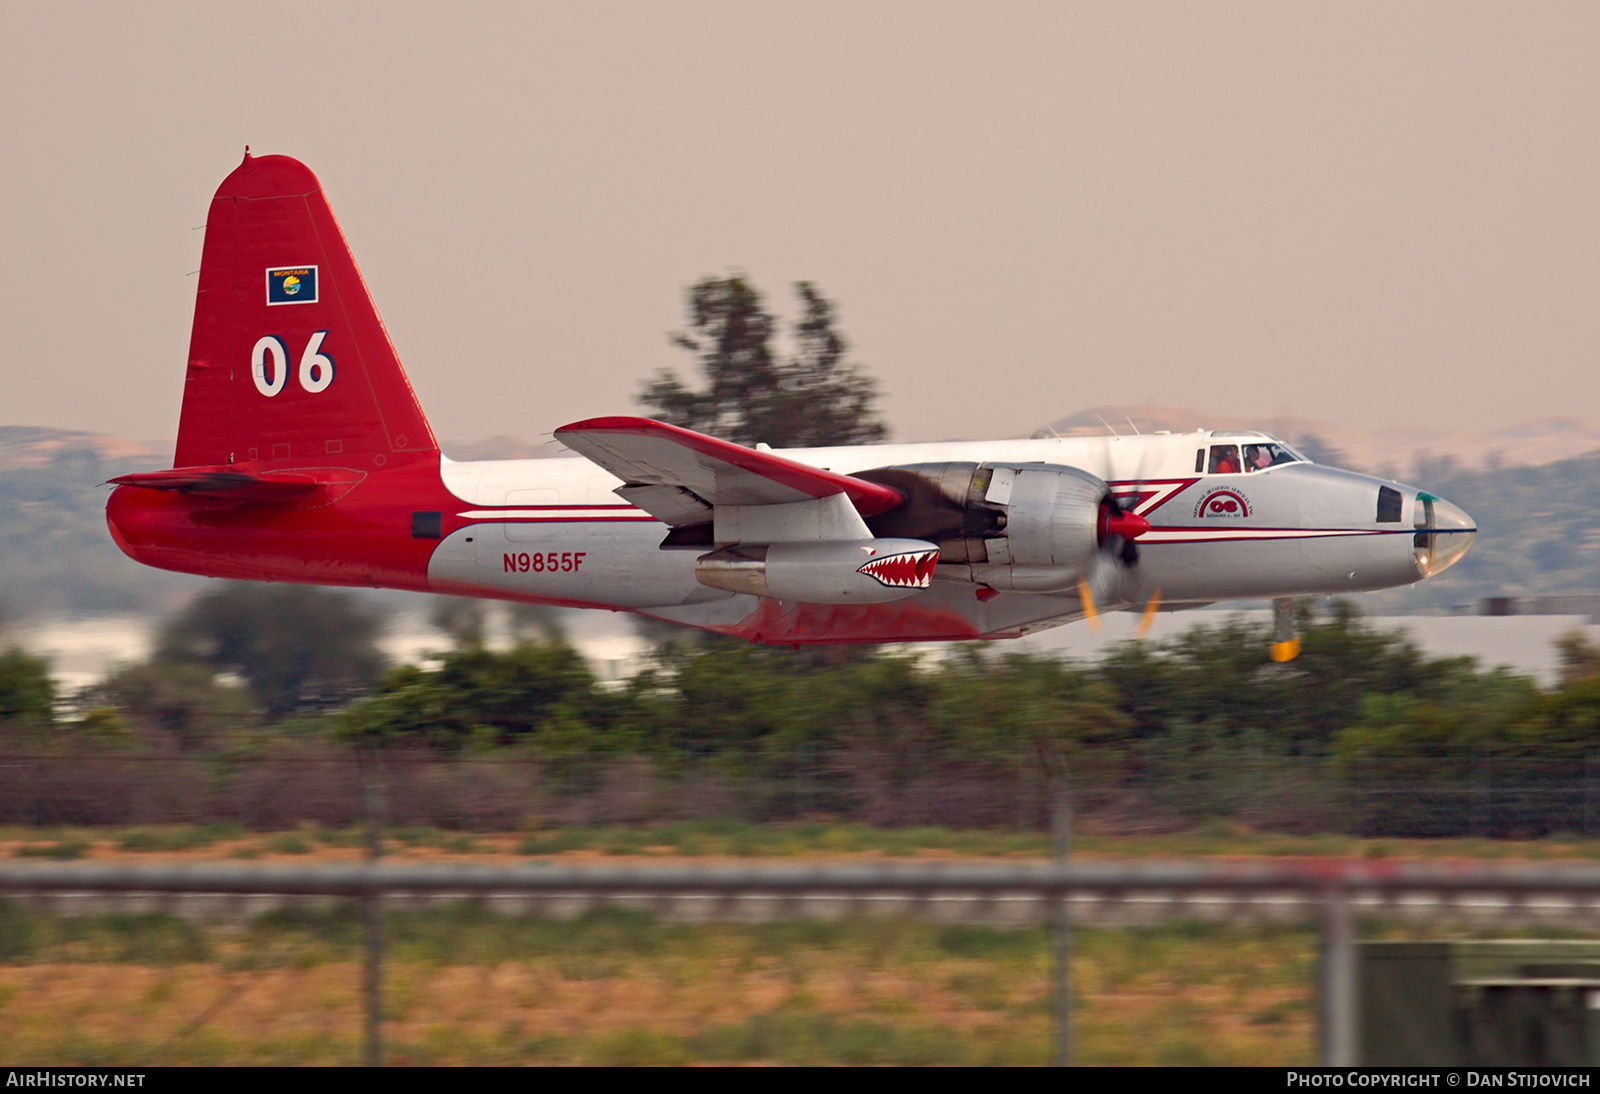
1479 796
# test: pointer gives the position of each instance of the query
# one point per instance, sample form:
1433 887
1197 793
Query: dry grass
465 987
615 987
734 840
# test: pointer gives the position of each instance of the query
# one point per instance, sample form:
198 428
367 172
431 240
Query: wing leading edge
679 476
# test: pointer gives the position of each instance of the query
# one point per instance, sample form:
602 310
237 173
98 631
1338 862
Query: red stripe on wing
869 498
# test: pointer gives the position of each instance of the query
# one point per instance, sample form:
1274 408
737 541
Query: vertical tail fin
289 364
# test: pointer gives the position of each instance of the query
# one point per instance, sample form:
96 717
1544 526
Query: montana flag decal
292 285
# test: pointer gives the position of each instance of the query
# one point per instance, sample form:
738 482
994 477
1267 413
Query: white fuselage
554 530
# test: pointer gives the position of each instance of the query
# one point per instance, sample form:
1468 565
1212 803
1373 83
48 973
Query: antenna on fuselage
1107 424
1135 428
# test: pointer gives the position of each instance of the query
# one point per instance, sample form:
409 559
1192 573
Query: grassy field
740 839
463 986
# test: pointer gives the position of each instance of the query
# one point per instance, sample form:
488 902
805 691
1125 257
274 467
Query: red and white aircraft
303 456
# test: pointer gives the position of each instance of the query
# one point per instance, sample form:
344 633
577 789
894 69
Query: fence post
1061 929
1364 794
1477 824
1488 796
372 969
1588 793
804 795
1340 1044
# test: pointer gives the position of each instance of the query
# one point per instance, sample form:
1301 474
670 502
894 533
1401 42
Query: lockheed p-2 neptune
303 456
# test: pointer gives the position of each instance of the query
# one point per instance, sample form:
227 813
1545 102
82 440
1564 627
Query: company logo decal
913 570
1224 504
292 285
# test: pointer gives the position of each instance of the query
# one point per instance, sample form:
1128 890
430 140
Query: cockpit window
1224 459
1388 505
1259 457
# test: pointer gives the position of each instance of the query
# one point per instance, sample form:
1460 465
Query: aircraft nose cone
1449 532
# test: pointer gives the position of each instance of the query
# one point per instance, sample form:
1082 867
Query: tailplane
289 364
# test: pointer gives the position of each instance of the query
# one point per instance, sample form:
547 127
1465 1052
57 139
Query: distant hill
36 446
1539 533
56 556
1396 452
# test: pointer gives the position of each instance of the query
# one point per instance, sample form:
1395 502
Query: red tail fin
289 364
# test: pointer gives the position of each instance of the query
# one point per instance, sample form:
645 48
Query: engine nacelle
866 571
1025 527
1053 528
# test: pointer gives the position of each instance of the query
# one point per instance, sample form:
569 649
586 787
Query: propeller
1152 604
1148 616
1115 530
1091 614
1119 530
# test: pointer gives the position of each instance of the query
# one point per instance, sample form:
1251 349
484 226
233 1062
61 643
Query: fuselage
554 531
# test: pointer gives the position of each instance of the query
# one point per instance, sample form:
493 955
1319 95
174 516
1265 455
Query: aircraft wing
678 475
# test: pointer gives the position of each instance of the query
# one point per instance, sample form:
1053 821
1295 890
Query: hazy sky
1372 213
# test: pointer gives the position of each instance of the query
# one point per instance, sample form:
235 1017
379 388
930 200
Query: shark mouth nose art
913 570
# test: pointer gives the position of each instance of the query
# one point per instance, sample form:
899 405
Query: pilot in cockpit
1224 459
1265 454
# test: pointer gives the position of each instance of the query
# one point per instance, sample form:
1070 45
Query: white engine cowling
868 571
1052 531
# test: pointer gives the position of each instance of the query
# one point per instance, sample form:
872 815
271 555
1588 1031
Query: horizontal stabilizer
230 482
642 452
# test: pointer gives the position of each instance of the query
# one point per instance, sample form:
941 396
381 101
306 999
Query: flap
670 504
642 452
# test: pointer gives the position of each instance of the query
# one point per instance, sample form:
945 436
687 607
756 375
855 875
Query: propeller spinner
1119 528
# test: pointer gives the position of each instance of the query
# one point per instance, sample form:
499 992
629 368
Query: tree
538 623
814 397
1222 676
1018 705
295 644
180 701
27 694
1580 658
464 619
535 692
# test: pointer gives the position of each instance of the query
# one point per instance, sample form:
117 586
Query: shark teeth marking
913 570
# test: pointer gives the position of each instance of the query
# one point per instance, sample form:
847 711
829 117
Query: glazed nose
1444 532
